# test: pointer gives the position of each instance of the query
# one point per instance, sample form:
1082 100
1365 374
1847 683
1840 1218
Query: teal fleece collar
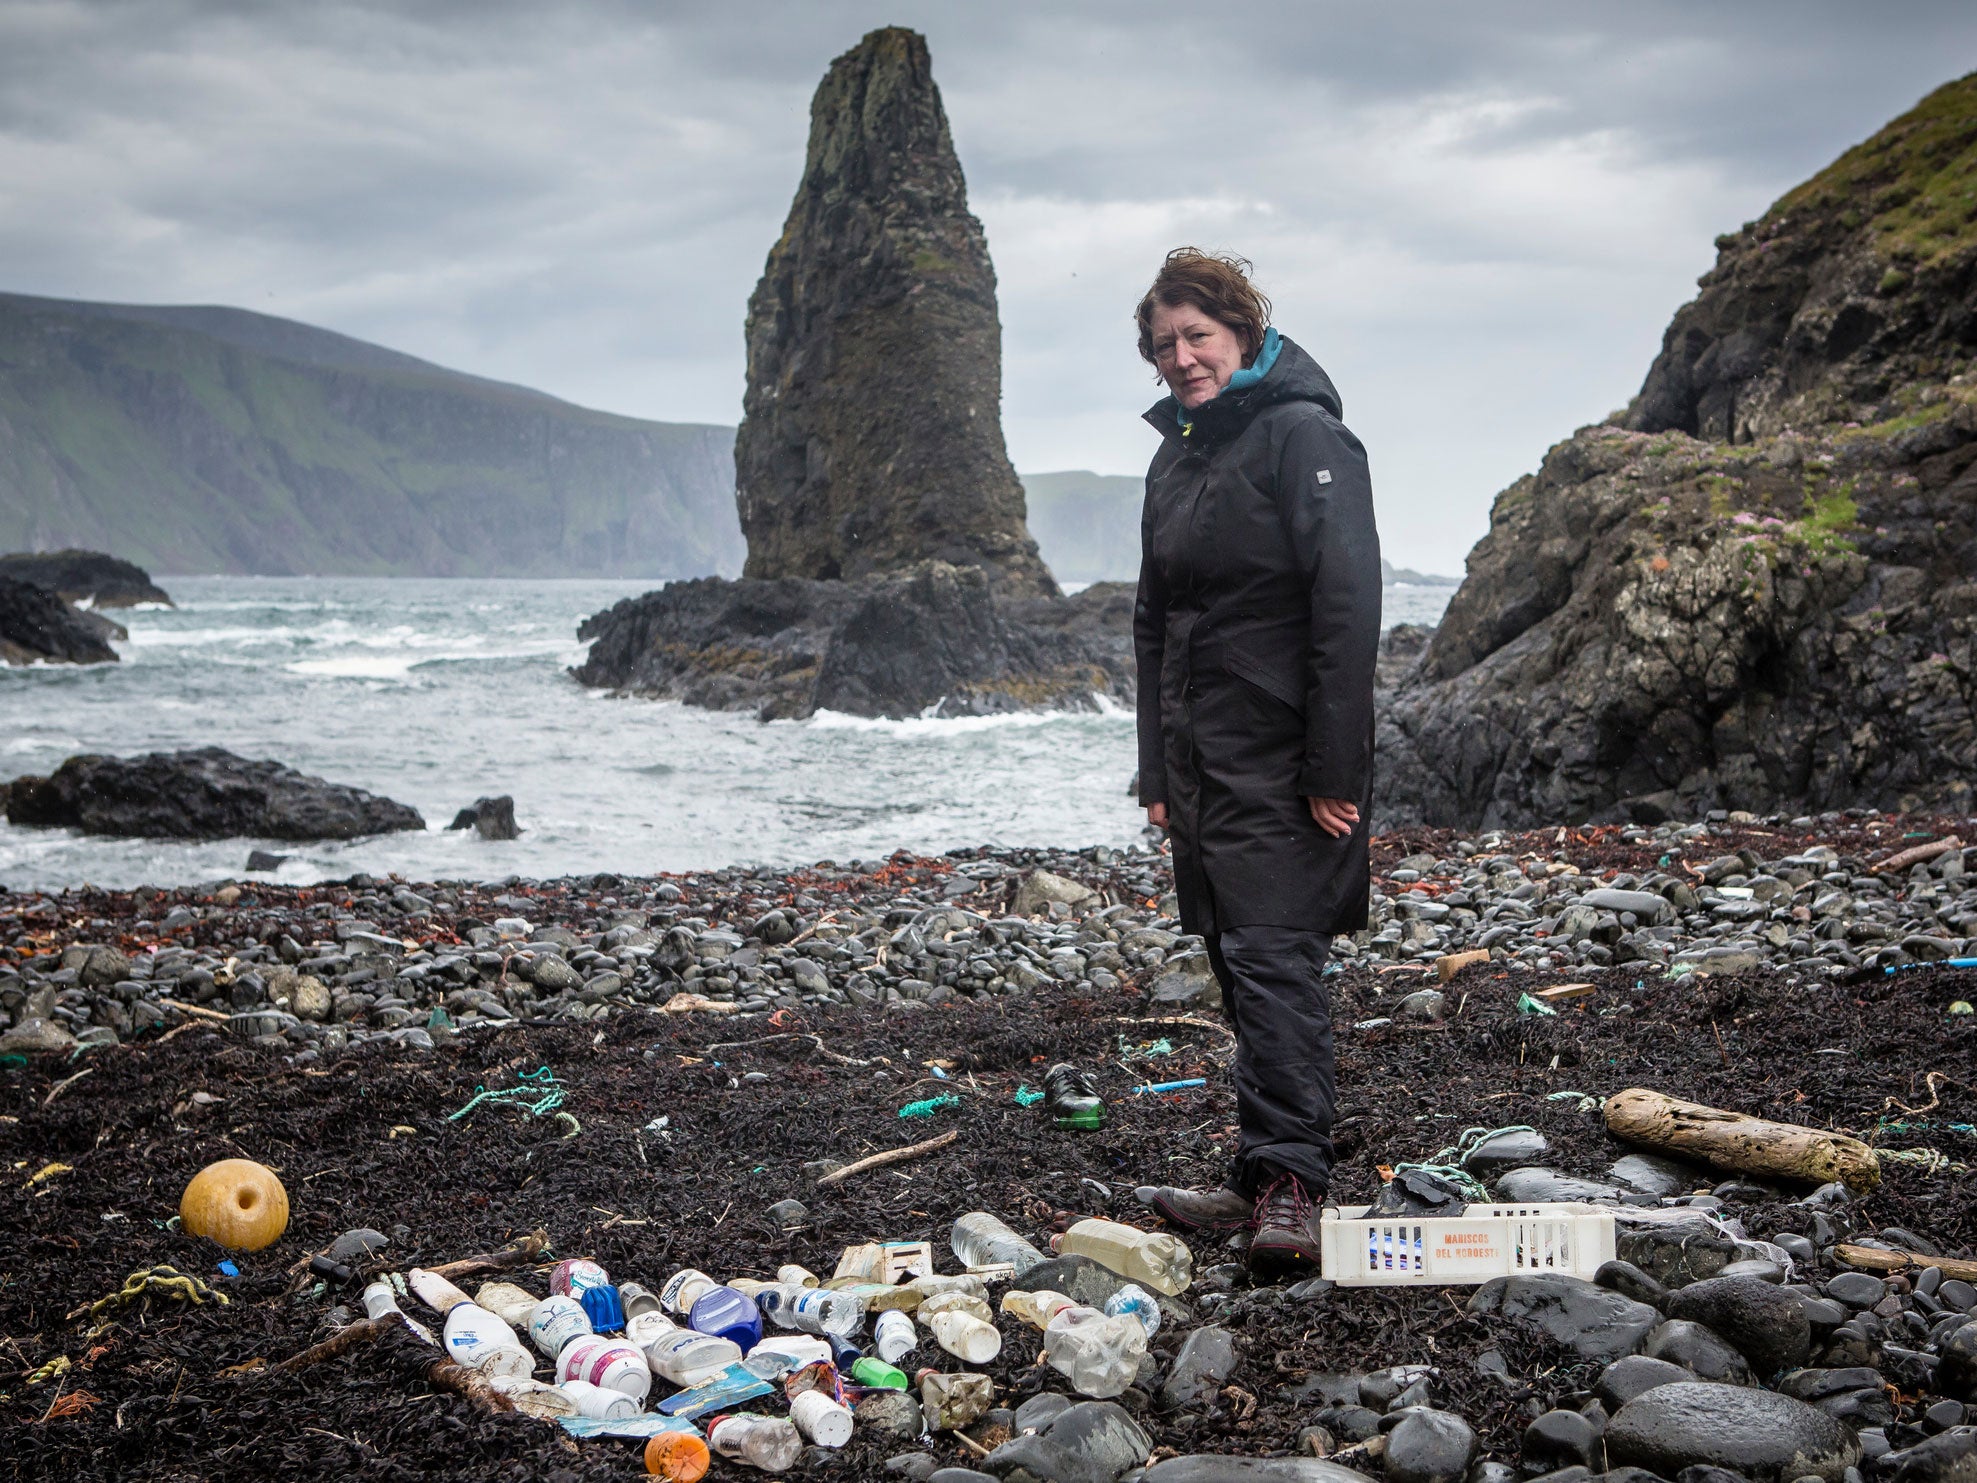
1248 376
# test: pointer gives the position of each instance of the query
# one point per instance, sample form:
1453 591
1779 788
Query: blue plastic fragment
1173 1086
229 1269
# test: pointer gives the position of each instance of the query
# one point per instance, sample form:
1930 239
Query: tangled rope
1466 1142
537 1093
145 1284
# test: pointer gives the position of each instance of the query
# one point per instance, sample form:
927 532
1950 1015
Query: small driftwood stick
1873 1259
342 1341
514 1254
1740 1144
469 1383
890 1156
1917 855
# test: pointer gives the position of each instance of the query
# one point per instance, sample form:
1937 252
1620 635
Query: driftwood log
1740 1144
515 1254
1873 1259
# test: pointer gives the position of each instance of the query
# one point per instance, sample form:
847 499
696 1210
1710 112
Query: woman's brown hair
1216 283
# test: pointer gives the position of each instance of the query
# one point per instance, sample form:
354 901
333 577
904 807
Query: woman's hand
1156 815
1335 816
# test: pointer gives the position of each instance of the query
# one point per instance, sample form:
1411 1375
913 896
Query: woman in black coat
1256 631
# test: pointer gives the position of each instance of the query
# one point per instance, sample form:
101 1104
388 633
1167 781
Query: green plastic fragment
1527 1005
1085 1117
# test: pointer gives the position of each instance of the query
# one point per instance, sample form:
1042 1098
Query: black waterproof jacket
1256 631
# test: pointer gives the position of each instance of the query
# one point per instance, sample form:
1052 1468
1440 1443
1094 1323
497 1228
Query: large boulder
37 626
1758 587
1767 1437
871 436
205 794
85 576
1767 1324
1589 1320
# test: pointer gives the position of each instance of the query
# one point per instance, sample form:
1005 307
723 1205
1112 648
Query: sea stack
872 431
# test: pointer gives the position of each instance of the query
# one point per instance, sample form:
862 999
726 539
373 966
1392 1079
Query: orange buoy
239 1203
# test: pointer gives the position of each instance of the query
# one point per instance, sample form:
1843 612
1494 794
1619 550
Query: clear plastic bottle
966 1337
894 1337
1135 1301
1100 1355
686 1358
956 1302
1036 1308
816 1310
771 1443
980 1240
949 1401
1149 1258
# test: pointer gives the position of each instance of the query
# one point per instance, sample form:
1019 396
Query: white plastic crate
1485 1241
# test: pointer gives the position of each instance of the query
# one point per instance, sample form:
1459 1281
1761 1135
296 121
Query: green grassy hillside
215 440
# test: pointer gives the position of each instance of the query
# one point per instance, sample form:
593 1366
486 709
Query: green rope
1469 1138
538 1094
929 1107
1471 1187
1027 1098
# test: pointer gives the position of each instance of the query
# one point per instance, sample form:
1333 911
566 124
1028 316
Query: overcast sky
1479 217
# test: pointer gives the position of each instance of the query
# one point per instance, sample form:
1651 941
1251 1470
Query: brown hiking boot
1286 1239
1200 1210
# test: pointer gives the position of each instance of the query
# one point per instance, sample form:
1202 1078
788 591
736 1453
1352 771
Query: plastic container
729 1315
638 1298
771 1443
791 1275
894 1337
687 1357
779 1354
876 1374
533 1398
949 1402
605 1308
956 1302
507 1302
644 1328
1071 1098
813 1310
600 1403
1149 1258
678 1457
608 1362
435 1291
379 1300
682 1288
966 1337
1035 1308
717 1395
939 1286
572 1279
1098 1354
821 1418
981 1240
1484 1241
557 1319
1135 1301
477 1339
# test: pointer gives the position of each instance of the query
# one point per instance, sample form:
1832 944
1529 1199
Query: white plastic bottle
477 1339
894 1336
1149 1258
966 1337
771 1443
956 1302
600 1403
555 1321
821 1418
683 1290
1099 1355
686 1357
1036 1308
379 1300
981 1240
791 1275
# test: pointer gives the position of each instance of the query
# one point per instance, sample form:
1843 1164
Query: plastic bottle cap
679 1457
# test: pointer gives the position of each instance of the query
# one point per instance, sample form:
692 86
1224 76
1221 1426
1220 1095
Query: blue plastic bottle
727 1314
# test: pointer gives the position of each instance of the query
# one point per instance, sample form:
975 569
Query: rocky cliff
215 440
872 430
1759 588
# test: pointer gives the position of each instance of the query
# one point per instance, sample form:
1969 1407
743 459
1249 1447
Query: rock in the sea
1766 1323
204 794
871 435
1588 1320
1186 981
491 818
1512 1148
85 577
36 626
1699 1349
1206 1358
1769 1438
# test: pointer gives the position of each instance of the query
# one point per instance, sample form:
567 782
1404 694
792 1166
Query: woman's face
1195 355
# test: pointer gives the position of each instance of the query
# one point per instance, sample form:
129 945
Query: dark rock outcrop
490 818
205 794
85 576
872 431
36 625
1760 591
935 636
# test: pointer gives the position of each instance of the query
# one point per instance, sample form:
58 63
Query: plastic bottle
638 1298
379 1300
1071 1098
575 1277
956 1302
791 1275
611 1363
894 1337
876 1374
507 1302
949 1402
981 1240
966 1337
557 1319
687 1357
477 1339
725 1312
643 1328
1135 1301
1099 1355
678 1457
435 1291
779 1354
599 1402
678 1295
1160 1262
817 1310
534 1398
821 1418
771 1443
1036 1308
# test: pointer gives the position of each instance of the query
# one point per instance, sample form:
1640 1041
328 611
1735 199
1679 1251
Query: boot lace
1283 1202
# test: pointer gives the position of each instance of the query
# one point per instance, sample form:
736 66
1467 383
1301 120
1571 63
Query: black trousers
1274 991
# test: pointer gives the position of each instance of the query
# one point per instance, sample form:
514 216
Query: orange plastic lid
679 1457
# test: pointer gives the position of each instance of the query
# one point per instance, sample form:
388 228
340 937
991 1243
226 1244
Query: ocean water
438 692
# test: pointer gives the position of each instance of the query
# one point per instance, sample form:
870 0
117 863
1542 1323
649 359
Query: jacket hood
1293 377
